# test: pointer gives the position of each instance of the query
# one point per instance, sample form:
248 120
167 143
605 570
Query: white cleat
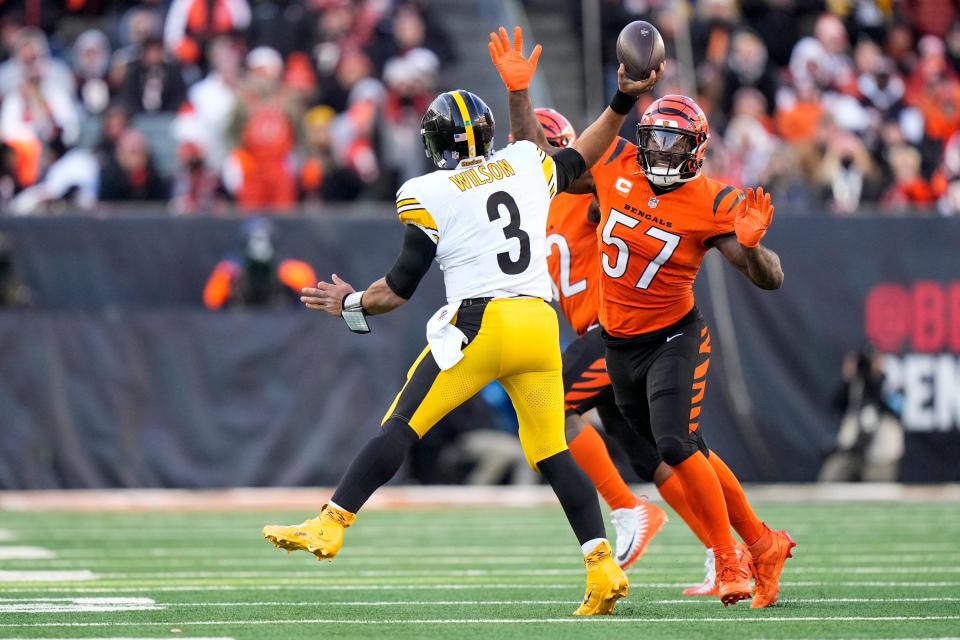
635 529
709 585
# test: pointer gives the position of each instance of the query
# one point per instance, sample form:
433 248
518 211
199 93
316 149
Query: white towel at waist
445 340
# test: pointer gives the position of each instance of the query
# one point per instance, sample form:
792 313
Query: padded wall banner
119 377
894 283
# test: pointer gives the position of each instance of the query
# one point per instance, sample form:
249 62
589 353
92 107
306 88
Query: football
640 49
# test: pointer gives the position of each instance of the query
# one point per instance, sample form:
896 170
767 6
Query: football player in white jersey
482 216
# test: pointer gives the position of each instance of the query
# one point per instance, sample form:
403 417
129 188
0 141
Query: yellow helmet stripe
468 123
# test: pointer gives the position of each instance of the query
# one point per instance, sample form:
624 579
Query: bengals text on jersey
652 245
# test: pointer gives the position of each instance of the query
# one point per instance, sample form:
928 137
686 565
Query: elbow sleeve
570 166
413 262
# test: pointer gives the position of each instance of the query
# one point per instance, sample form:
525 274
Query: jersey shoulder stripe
740 198
621 144
723 193
549 172
720 196
420 217
411 211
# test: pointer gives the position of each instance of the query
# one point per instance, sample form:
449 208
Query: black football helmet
457 125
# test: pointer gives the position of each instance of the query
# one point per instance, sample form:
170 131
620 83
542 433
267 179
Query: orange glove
752 222
515 70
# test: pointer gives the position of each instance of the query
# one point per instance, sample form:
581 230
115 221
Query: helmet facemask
668 155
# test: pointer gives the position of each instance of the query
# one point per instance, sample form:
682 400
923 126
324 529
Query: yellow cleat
606 582
322 536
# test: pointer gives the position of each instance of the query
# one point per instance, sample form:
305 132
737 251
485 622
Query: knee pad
675 450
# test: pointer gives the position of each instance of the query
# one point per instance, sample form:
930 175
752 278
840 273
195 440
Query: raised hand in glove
752 222
515 70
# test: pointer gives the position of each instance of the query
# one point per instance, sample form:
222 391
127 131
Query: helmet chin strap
663 177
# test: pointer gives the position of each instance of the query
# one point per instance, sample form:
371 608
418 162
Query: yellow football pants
518 344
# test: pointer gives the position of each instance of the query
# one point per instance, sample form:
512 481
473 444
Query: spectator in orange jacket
259 172
191 24
257 278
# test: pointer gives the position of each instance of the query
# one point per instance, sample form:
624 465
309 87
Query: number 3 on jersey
507 264
619 266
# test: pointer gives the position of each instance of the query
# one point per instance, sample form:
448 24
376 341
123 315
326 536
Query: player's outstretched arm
516 71
598 137
329 296
384 295
743 249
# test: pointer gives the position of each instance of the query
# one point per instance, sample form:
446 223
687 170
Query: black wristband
622 103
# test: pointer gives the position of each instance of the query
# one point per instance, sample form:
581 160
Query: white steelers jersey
489 219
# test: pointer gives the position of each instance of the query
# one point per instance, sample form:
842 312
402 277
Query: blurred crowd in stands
206 105
210 104
831 105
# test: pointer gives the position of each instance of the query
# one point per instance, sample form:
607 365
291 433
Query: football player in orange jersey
658 217
574 265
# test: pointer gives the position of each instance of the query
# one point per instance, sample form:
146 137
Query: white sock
588 546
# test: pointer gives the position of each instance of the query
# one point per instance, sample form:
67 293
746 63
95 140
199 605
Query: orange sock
590 453
742 517
705 497
672 491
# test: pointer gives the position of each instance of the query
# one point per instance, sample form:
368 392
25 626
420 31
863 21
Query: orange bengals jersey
573 260
651 246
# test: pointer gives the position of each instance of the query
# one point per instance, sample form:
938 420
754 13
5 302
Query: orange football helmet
560 132
671 140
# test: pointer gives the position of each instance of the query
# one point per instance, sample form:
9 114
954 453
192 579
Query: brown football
640 49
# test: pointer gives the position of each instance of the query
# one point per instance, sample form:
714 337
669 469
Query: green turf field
861 571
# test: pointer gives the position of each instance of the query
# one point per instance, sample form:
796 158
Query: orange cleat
769 553
733 579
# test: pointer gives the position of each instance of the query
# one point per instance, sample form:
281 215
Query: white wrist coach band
353 313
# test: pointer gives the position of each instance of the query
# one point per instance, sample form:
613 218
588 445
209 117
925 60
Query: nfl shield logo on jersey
652 203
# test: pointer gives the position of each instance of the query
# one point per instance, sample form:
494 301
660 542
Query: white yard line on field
430 621
77 605
874 570
46 576
497 603
197 549
26 553
448 587
870 638
885 551
503 529
929 550
461 573
283 566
